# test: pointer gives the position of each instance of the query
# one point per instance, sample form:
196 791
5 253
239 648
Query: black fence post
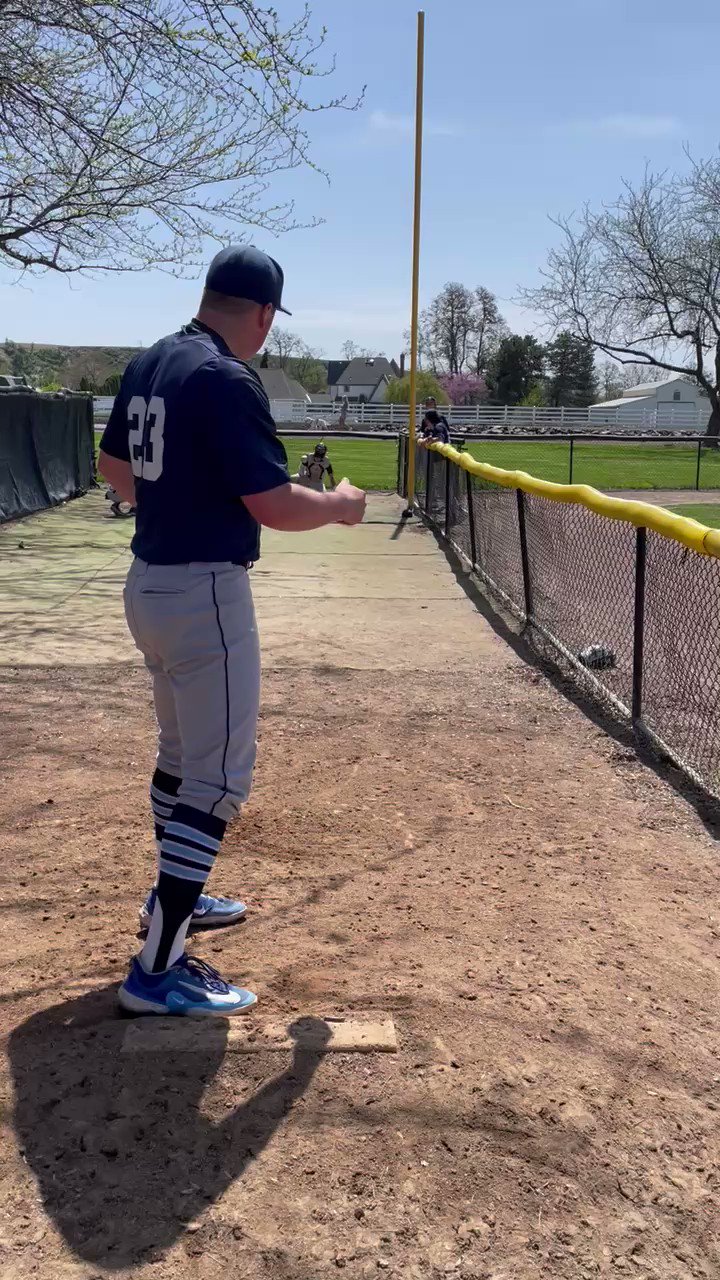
406 465
471 519
447 497
697 469
639 625
428 473
524 554
572 451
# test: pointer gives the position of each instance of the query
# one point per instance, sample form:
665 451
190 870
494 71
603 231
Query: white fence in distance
102 406
481 417
666 417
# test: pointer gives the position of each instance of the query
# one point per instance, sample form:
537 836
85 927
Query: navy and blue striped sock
163 795
190 841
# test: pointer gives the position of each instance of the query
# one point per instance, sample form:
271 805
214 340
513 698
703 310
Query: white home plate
315 1035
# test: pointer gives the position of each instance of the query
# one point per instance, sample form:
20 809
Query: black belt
244 564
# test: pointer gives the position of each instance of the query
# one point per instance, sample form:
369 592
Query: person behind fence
434 425
319 468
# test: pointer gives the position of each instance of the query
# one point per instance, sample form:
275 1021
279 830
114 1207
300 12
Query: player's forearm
119 475
295 509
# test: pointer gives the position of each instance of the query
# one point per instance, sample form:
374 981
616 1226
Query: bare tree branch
639 280
283 344
459 328
132 131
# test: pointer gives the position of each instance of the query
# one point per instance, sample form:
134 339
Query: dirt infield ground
435 834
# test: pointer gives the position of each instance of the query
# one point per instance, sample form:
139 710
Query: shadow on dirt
122 1154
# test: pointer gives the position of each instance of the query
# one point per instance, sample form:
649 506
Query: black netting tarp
46 451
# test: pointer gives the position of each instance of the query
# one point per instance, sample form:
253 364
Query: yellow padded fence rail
679 528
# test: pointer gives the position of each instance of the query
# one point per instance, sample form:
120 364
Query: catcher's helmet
320 450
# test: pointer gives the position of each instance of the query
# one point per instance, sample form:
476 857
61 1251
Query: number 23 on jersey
145 437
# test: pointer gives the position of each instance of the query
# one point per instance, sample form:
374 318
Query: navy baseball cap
242 271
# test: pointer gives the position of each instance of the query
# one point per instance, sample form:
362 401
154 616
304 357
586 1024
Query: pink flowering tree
464 388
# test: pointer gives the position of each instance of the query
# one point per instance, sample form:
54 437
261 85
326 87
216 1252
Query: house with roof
363 378
334 369
280 386
672 402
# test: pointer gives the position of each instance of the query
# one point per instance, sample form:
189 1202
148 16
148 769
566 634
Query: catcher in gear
302 471
318 468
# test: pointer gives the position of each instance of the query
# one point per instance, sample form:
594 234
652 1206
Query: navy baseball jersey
195 424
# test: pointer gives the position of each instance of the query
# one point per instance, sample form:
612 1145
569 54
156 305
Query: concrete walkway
358 598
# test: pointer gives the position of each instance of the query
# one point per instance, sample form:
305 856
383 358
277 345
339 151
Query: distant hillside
44 364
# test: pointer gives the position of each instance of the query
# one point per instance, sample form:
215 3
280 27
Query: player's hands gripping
353 504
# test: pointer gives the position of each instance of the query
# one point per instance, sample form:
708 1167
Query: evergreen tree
516 367
571 377
23 361
536 397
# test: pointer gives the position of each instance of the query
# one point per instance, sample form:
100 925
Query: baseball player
191 441
316 469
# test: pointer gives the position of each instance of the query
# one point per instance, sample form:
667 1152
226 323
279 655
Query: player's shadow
123 1156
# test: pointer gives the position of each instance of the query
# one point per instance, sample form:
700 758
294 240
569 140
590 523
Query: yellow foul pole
416 255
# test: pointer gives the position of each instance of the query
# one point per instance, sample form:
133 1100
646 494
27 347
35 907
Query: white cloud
403 126
625 125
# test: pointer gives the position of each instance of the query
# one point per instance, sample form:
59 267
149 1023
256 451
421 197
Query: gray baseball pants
195 626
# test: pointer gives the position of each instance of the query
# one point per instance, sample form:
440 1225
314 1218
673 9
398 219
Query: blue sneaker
209 913
191 988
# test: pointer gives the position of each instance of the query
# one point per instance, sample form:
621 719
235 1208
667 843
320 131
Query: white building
672 403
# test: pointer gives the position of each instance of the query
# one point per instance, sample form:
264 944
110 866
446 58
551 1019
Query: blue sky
530 110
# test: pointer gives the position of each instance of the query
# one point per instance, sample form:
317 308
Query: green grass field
605 466
706 512
372 464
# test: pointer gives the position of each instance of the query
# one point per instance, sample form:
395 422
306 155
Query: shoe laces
208 976
207 900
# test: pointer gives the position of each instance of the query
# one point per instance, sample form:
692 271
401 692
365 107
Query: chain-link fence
633 615
606 461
